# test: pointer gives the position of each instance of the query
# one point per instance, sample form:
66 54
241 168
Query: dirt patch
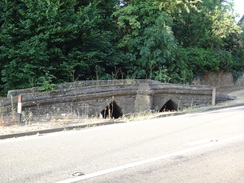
10 128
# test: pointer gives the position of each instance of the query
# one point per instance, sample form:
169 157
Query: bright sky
239 8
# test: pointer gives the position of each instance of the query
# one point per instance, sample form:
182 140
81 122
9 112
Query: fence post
19 109
213 96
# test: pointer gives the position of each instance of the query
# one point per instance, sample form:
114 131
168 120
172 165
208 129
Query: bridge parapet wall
82 84
90 98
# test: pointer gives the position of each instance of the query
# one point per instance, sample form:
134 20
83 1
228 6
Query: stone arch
170 105
112 110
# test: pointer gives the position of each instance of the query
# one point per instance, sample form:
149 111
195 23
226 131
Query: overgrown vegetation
45 42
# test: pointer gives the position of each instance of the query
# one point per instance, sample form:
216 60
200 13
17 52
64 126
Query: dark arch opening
112 111
169 106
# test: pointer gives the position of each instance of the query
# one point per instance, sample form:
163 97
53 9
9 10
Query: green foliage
44 42
201 60
179 69
146 37
238 63
52 36
205 26
162 75
237 47
45 83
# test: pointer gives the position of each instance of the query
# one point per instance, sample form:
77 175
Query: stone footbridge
113 98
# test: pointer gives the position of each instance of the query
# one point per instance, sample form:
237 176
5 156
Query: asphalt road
200 147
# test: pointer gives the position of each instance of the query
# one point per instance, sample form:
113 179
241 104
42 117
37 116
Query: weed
90 125
138 116
13 111
1 114
27 117
179 103
46 83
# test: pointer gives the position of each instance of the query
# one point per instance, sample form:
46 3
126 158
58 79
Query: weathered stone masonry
114 98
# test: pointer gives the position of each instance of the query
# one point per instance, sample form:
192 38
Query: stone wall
182 96
219 79
93 98
240 81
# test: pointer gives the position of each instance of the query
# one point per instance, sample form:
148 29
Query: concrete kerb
71 127
52 130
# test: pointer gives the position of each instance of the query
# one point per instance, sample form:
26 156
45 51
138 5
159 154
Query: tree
205 26
51 39
146 38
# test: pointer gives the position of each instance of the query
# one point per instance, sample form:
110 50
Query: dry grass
34 123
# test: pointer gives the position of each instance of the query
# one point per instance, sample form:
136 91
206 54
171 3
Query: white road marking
203 141
131 165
